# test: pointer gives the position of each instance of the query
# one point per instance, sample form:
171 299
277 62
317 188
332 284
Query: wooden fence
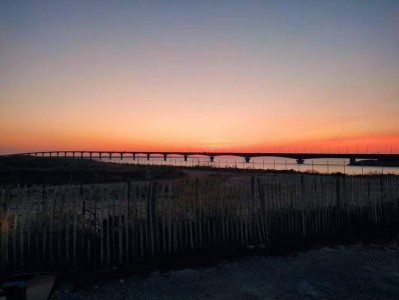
103 225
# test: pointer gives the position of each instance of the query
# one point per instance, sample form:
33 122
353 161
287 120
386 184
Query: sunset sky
222 75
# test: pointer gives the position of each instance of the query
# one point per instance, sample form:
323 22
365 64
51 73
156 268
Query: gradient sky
318 75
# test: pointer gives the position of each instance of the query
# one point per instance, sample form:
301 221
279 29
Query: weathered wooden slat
123 223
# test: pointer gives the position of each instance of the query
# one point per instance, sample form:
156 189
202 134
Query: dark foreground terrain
358 271
65 170
29 170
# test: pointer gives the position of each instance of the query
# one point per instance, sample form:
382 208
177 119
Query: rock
122 281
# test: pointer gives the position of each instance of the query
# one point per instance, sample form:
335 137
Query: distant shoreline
21 170
374 163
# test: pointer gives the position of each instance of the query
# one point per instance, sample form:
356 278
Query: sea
322 166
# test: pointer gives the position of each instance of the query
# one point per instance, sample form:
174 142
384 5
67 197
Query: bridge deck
300 157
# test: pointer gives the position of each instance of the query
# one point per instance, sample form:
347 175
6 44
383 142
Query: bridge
299 157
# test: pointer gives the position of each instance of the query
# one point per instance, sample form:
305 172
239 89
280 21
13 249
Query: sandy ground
342 272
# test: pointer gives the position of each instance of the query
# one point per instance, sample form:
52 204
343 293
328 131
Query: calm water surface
261 163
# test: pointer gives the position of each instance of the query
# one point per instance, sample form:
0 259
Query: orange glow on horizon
387 143
199 76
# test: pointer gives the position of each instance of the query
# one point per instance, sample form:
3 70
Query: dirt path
353 272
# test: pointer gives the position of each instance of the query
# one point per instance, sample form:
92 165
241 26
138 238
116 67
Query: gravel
341 272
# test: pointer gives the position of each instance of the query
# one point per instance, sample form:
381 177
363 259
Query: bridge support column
185 157
99 153
148 156
43 154
58 154
352 161
65 154
90 154
300 161
121 155
165 157
81 154
50 154
134 156
247 159
73 154
110 155
212 158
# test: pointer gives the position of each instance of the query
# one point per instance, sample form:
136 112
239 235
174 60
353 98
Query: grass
65 170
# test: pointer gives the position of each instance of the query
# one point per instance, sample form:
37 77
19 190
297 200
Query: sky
311 75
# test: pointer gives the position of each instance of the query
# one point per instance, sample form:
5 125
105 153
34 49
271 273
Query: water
324 166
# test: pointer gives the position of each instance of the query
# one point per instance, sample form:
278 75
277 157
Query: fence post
5 213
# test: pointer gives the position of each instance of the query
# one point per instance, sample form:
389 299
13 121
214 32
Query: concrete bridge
299 157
